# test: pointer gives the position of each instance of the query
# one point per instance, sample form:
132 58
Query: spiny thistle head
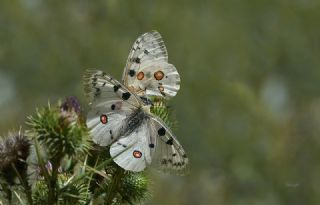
59 130
134 188
161 109
14 150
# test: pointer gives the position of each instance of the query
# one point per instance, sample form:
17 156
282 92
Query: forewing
147 70
110 103
169 154
132 152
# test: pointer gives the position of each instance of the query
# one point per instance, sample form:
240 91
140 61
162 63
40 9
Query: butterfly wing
111 103
147 71
132 152
169 154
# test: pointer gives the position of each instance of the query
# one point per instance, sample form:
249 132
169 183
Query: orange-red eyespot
140 76
103 119
158 75
137 154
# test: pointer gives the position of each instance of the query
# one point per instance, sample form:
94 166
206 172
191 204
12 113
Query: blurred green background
249 104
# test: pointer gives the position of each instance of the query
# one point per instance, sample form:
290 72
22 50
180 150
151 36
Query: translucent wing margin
147 71
169 154
101 88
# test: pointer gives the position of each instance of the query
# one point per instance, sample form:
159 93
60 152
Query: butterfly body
135 119
120 115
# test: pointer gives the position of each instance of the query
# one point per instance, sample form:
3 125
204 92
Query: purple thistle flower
70 109
71 104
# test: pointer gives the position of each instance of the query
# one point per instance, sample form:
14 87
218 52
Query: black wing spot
132 73
163 161
116 88
137 60
151 145
113 106
124 146
184 156
161 131
174 154
104 84
170 141
146 52
126 96
97 92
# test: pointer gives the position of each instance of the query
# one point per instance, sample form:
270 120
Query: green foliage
53 129
73 193
40 192
65 166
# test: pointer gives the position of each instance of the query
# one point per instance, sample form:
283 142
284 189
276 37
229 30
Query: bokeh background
249 104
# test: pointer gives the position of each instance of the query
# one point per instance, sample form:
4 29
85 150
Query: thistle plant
55 162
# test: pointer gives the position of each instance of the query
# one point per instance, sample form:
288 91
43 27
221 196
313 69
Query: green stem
24 184
45 173
113 188
53 196
55 191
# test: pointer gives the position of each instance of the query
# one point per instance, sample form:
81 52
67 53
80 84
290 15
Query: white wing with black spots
104 134
147 71
111 103
102 89
132 152
169 154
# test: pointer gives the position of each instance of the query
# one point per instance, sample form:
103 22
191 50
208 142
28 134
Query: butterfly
120 114
147 71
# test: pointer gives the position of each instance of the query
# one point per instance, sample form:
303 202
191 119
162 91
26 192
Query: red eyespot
140 76
158 75
137 154
103 119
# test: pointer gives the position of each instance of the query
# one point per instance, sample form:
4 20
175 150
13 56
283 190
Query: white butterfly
147 71
121 117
